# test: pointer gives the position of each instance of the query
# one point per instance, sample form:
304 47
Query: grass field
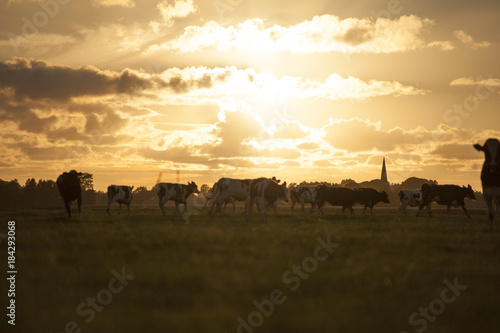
216 272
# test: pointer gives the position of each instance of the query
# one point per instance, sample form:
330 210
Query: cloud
443 45
111 3
458 151
326 33
37 80
169 12
469 41
489 82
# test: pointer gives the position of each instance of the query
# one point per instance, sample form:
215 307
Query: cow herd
266 192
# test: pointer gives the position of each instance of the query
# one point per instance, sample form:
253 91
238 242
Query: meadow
218 273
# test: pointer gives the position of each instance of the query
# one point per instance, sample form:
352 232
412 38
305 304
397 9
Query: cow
68 184
303 195
369 197
212 195
266 193
121 194
175 192
490 176
410 198
449 195
335 196
237 189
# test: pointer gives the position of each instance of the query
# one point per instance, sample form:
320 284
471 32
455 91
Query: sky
302 90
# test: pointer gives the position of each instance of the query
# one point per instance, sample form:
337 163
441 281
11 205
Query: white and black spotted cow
302 195
449 195
229 188
265 193
490 176
69 187
212 195
410 198
175 192
121 194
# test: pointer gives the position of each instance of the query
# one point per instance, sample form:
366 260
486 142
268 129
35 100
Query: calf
265 192
212 194
120 194
68 185
410 198
490 176
303 195
175 192
335 196
449 195
237 189
369 197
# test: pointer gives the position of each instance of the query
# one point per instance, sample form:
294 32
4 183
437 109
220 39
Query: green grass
202 276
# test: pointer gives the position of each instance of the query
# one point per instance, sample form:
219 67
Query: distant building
383 176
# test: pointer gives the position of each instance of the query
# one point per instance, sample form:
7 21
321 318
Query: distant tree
142 195
10 194
87 181
204 189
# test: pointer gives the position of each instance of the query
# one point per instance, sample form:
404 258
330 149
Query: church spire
383 177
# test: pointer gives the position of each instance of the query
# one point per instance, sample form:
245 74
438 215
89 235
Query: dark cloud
36 80
357 35
457 151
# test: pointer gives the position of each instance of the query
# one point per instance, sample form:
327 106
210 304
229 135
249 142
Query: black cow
121 194
335 196
265 192
69 187
449 195
490 176
370 197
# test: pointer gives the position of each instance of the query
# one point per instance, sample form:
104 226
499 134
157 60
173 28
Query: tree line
44 193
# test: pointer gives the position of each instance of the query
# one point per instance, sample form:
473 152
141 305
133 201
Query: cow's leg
371 210
67 207
364 210
465 210
400 208
404 210
352 210
109 206
302 203
249 207
224 206
312 207
212 207
422 205
234 206
161 204
206 202
429 211
491 212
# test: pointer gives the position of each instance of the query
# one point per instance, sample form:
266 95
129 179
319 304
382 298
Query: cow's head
469 192
193 187
491 150
385 197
